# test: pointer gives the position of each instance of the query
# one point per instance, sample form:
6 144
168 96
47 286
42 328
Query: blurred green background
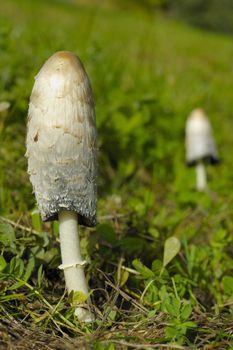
147 72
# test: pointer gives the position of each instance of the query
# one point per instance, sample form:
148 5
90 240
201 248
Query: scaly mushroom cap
61 139
199 141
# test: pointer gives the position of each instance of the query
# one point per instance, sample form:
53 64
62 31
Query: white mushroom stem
201 176
72 262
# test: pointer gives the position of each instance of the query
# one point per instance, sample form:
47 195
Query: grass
147 74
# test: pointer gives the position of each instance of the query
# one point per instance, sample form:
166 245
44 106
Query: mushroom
61 152
200 146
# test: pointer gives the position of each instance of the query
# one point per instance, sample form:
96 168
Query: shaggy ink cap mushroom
61 151
61 140
200 145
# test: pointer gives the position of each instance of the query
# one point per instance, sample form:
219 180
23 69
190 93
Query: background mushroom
200 145
61 151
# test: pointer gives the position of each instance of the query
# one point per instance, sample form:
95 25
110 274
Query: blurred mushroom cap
200 144
61 139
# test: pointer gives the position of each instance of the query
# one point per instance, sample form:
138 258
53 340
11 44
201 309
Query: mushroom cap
200 144
61 139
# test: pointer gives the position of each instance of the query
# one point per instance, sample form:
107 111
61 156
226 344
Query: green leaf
38 252
151 295
144 271
186 311
16 285
176 303
170 332
152 313
112 315
124 277
189 324
3 263
102 346
45 239
40 275
170 309
29 269
227 282
164 296
7 234
156 266
153 232
16 267
77 297
9 297
173 307
36 220
50 254
171 249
